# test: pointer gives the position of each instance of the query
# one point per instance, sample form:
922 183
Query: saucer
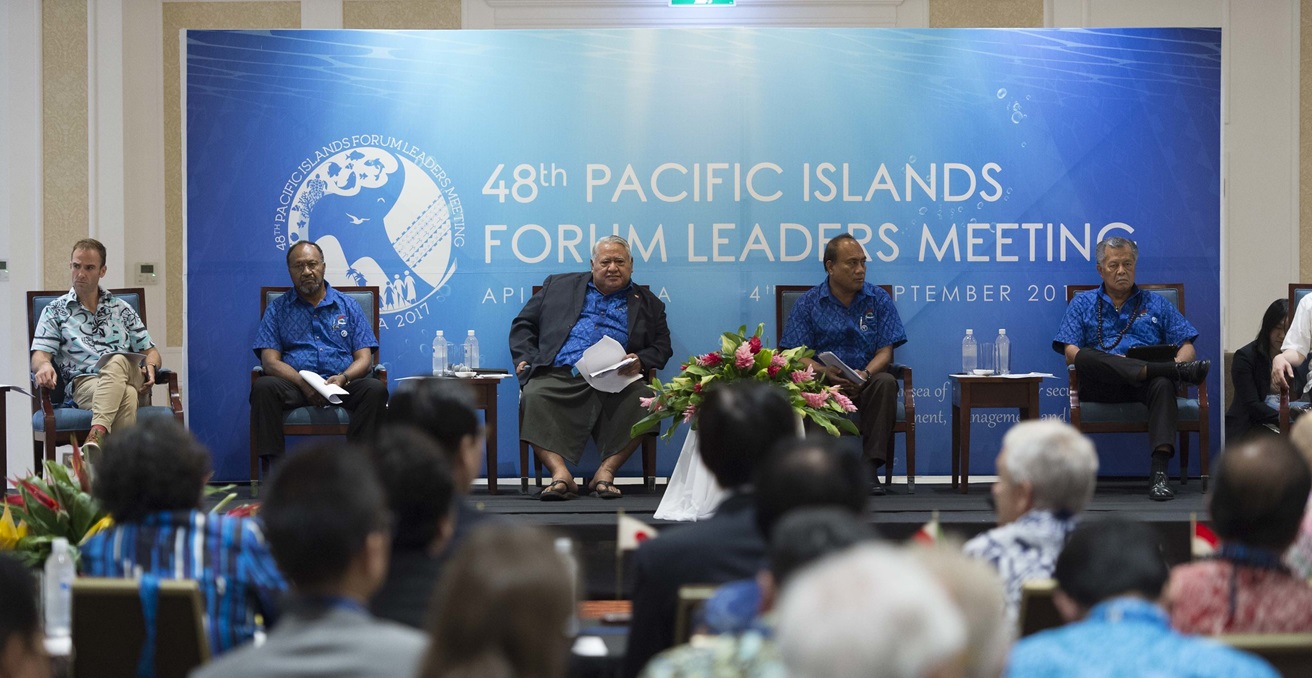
466 375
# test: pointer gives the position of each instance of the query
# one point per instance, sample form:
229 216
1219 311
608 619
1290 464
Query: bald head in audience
1261 489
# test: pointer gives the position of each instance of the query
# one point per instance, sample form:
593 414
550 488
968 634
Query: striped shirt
227 556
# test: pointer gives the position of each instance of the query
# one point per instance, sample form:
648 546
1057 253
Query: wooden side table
485 398
972 392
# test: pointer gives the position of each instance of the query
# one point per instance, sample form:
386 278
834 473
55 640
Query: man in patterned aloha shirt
857 322
1046 475
76 330
1102 324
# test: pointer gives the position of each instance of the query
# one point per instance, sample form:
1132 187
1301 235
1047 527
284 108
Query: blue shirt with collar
1152 319
601 315
855 332
1128 637
321 338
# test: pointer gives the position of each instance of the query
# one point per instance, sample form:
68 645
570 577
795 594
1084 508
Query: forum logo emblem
381 218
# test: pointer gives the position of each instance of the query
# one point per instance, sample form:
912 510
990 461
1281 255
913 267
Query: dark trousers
1108 378
366 399
877 407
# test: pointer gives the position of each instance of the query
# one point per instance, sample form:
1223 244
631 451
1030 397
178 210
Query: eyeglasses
302 265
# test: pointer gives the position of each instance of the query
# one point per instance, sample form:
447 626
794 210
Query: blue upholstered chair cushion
1102 413
74 419
317 416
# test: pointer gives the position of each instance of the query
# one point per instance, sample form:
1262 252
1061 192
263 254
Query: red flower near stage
743 356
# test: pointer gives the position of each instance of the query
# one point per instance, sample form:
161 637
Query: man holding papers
80 333
318 330
857 323
572 313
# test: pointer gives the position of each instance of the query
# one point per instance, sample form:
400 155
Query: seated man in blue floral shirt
857 322
1110 576
1046 476
76 330
1101 325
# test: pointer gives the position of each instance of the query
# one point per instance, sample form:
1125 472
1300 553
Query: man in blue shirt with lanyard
316 328
1101 325
856 321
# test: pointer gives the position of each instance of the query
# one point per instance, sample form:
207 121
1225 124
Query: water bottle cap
59 543
439 333
470 332
1002 331
563 545
968 333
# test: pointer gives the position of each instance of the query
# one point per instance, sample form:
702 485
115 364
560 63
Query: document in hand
136 359
600 365
831 360
332 392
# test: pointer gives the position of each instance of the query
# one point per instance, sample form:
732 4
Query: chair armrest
1073 395
170 379
909 402
898 370
1284 410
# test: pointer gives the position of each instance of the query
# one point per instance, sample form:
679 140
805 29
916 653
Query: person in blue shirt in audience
150 481
857 322
1102 324
1109 579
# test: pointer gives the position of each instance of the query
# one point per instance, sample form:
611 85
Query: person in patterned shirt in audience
857 322
1046 474
1257 505
151 482
76 330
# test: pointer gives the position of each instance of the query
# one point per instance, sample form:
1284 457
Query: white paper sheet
599 366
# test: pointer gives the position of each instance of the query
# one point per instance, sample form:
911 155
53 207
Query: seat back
366 297
1173 292
688 610
1295 294
1037 612
785 298
109 628
1291 654
37 301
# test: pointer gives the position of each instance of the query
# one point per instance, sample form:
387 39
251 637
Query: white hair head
1057 460
869 612
611 240
1115 242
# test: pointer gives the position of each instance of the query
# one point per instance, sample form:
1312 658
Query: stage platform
897 516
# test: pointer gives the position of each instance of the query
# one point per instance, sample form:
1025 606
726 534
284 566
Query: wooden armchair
1192 413
905 419
55 419
309 420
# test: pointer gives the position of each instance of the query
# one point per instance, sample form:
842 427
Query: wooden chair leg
649 463
909 438
524 467
1184 453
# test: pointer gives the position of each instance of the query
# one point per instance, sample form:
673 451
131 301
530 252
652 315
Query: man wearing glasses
316 328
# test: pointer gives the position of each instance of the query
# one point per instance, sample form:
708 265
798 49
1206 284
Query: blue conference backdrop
457 169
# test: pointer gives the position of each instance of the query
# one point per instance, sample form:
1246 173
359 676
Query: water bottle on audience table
439 355
969 354
59 589
564 547
471 351
1002 349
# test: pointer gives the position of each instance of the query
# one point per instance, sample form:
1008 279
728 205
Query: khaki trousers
113 395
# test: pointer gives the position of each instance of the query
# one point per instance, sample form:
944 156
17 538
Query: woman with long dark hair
1251 412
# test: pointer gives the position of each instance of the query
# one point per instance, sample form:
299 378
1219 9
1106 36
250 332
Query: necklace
1135 313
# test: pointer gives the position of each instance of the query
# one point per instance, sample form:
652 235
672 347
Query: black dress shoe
877 487
1193 372
1159 489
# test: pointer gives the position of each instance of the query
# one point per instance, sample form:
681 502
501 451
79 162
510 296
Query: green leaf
823 422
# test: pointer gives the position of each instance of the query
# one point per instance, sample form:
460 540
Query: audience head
737 424
155 465
805 535
871 610
22 654
443 409
417 481
326 521
812 471
1301 435
1108 559
1259 493
1273 330
501 608
1045 465
976 589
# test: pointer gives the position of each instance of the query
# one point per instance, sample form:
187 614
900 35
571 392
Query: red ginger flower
710 360
754 344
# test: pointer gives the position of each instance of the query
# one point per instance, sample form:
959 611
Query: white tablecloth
692 493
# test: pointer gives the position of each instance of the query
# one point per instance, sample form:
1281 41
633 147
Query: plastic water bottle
1002 349
969 354
59 589
439 355
471 351
564 548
